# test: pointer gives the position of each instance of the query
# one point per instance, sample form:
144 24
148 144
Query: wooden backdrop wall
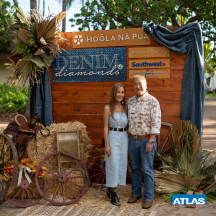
85 101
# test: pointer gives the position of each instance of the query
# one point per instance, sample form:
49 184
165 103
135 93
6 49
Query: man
144 117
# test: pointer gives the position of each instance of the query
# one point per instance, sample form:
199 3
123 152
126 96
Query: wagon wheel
162 150
26 194
67 178
7 152
96 168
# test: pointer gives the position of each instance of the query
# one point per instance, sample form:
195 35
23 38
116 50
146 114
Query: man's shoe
147 204
133 199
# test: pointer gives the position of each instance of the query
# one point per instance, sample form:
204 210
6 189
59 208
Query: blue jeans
141 161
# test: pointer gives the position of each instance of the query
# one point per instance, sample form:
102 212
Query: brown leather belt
140 137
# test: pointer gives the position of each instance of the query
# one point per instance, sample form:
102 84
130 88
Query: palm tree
15 3
38 5
66 4
33 4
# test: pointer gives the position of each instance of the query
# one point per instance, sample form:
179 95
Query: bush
12 100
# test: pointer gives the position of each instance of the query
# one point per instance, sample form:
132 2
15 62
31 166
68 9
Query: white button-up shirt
144 115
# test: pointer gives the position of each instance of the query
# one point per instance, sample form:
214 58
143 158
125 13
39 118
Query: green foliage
12 100
210 197
168 197
5 21
210 95
210 59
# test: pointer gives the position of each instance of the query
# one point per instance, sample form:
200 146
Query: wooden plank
171 109
104 96
172 84
97 133
97 120
69 37
176 67
148 52
88 120
174 61
176 73
170 119
149 63
151 73
178 56
110 38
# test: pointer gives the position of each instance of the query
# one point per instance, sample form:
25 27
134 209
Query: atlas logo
146 64
183 199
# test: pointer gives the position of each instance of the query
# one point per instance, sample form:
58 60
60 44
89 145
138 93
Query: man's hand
149 147
107 150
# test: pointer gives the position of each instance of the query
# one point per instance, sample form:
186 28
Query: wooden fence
84 101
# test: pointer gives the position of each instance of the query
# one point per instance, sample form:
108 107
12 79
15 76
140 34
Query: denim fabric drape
41 98
187 39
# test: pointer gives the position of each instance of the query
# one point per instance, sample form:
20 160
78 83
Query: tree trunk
33 4
43 7
64 2
83 3
38 5
15 3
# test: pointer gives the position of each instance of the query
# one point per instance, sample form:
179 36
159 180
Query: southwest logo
194 199
146 64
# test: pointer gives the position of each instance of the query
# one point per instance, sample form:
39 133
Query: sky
54 8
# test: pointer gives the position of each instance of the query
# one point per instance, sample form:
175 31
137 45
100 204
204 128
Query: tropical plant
66 4
189 165
36 44
6 20
210 59
33 4
12 100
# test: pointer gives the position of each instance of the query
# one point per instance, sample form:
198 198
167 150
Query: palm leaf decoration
189 165
36 44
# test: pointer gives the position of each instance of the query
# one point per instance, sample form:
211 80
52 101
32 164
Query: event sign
149 63
109 38
148 52
90 65
151 73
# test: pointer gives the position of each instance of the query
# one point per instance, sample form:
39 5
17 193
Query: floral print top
144 115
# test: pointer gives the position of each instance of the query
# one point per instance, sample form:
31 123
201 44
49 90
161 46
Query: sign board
151 73
109 38
149 63
90 65
148 52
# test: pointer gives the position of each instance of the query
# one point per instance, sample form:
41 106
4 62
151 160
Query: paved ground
209 124
209 142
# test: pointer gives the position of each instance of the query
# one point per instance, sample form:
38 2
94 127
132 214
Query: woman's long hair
113 96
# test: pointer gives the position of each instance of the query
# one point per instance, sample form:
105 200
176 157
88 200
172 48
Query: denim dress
116 163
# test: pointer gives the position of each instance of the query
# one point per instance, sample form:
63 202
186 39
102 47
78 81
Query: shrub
12 100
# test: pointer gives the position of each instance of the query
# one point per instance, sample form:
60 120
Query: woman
116 141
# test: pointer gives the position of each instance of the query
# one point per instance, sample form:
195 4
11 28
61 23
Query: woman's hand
107 150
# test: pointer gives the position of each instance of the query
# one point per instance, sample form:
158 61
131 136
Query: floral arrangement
36 44
8 169
97 158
